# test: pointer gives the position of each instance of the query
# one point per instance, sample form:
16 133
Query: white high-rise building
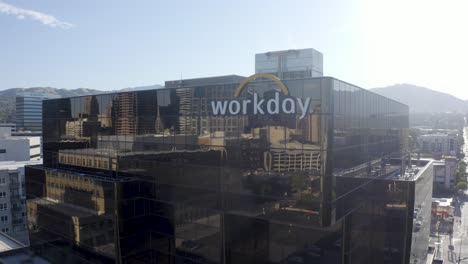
13 199
15 153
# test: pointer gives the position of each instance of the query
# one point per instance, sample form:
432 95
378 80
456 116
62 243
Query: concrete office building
15 153
440 144
13 219
260 170
29 110
12 126
444 173
18 148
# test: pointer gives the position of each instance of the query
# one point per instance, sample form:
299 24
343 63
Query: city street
460 234
455 246
459 241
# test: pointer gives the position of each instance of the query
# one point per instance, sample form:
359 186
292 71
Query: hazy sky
115 44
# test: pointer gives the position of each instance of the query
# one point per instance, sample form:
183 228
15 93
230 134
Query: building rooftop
204 81
8 243
439 163
13 165
41 95
113 153
438 135
443 202
26 134
22 258
5 133
67 209
411 174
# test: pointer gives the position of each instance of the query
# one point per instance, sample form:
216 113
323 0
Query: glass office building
259 171
29 110
290 64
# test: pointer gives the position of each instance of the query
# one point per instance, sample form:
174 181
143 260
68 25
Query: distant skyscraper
290 64
29 110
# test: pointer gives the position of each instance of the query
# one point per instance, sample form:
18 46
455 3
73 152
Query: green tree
462 166
460 175
461 186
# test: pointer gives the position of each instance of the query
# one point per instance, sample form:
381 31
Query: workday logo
288 105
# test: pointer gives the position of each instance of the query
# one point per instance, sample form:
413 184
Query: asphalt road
455 247
459 241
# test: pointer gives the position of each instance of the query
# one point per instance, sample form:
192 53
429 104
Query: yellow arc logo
257 105
241 86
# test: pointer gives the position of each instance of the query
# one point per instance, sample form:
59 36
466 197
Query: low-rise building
18 148
439 144
13 219
444 173
442 208
12 126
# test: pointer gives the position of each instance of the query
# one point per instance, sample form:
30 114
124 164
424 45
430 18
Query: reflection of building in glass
310 126
286 153
75 128
292 160
91 158
184 184
124 110
78 209
147 113
195 105
86 229
62 189
187 121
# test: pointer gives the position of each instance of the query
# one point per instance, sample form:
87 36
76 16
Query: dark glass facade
158 177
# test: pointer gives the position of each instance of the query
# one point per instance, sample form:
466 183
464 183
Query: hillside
140 88
7 97
423 100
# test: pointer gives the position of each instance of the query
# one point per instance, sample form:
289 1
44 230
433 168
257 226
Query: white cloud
45 19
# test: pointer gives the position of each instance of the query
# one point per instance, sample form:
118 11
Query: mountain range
419 99
423 100
7 97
